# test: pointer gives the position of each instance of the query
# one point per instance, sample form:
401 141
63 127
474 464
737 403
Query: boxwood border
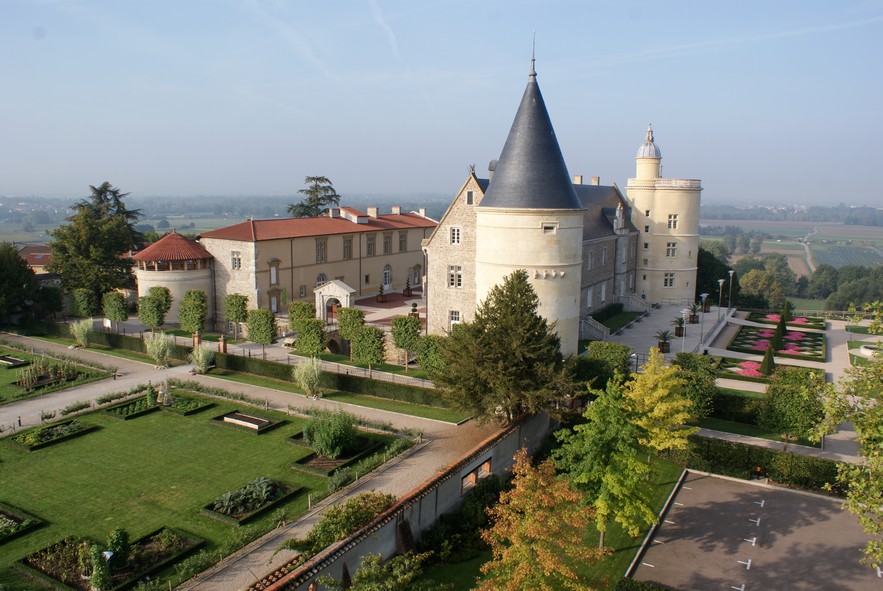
205 405
109 410
217 515
23 515
88 429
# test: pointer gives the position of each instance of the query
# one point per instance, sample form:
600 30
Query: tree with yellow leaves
537 533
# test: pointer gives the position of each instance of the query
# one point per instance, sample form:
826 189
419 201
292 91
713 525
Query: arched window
321 279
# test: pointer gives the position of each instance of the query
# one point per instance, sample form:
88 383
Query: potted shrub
414 311
678 323
407 291
694 313
381 297
663 337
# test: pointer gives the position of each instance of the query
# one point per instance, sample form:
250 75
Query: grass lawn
807 304
857 329
121 353
746 429
212 337
415 410
416 373
10 392
156 470
614 323
603 575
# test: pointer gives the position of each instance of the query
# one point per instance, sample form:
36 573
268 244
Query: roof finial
649 133
533 59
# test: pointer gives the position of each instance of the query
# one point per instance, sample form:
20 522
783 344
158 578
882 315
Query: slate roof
173 247
280 228
600 203
531 172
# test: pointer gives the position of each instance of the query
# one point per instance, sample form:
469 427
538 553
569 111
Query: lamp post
730 297
634 356
720 298
684 313
702 319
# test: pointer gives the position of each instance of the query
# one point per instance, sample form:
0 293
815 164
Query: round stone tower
666 212
531 218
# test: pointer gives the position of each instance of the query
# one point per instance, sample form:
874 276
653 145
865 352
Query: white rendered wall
179 283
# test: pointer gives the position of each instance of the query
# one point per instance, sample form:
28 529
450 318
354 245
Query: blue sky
765 101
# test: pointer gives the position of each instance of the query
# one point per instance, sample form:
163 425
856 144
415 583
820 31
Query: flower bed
246 421
244 504
797 321
9 361
15 522
58 564
323 466
747 371
137 407
184 405
797 344
40 437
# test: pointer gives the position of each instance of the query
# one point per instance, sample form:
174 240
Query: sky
766 102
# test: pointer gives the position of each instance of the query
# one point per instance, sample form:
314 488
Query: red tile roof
273 229
173 247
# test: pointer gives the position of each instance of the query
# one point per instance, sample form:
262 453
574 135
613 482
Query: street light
720 298
702 319
634 356
730 297
684 313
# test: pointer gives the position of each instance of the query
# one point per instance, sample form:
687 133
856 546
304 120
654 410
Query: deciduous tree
430 355
349 321
508 360
193 311
699 387
150 312
18 285
262 328
319 196
164 296
236 311
405 334
399 573
300 312
537 530
311 337
113 304
794 402
368 346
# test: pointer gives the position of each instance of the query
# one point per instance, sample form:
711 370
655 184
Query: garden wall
395 530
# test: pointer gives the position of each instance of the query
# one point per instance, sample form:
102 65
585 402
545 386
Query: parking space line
755 521
669 521
760 502
740 588
747 564
647 564
679 504
752 540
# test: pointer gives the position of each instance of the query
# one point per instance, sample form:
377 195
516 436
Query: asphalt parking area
721 534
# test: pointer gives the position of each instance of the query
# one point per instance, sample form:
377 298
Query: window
274 303
646 262
321 250
470 197
647 229
453 318
590 262
668 280
367 279
671 249
274 274
403 241
646 246
603 292
455 276
303 291
236 260
387 275
548 228
372 245
589 299
673 221
387 243
455 235
347 248
624 256
603 256
321 279
647 213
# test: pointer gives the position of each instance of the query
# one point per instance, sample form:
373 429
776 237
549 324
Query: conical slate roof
531 172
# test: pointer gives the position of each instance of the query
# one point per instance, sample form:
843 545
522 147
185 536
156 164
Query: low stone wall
395 530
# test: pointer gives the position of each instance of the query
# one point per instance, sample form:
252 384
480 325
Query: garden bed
734 368
14 522
798 344
320 465
184 405
9 361
58 565
795 322
286 493
40 437
246 421
137 407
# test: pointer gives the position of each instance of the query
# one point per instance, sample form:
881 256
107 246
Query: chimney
577 179
372 212
422 212
596 180
396 210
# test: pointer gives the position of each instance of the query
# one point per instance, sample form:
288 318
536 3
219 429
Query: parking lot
725 534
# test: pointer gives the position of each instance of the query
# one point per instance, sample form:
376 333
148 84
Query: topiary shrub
331 434
768 365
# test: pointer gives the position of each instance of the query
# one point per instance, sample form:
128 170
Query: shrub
202 357
602 361
331 434
248 498
768 365
85 302
736 407
159 347
627 584
74 407
118 543
307 375
100 579
81 330
607 312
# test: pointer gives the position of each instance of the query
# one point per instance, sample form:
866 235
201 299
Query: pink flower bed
750 368
793 347
800 320
794 336
773 317
766 333
760 345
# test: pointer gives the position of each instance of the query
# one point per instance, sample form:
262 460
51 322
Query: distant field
807 304
182 224
840 256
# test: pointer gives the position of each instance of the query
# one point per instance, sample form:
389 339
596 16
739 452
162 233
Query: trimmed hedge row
742 461
733 407
627 584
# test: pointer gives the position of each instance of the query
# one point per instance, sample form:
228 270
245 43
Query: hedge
607 312
627 584
735 407
742 461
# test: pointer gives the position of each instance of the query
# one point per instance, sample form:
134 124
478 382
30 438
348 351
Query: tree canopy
319 196
193 311
405 334
506 361
113 304
91 251
151 311
262 328
236 310
794 402
18 286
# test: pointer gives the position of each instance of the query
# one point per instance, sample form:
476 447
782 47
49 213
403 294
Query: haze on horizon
766 102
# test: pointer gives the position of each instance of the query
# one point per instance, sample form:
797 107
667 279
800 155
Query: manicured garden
795 322
25 375
796 344
157 470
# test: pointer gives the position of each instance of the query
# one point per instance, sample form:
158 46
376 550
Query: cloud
377 15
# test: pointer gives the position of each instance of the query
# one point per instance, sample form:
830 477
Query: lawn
156 470
807 304
416 373
616 322
746 429
10 392
406 408
603 575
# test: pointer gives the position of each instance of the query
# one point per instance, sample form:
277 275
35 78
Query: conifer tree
768 365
